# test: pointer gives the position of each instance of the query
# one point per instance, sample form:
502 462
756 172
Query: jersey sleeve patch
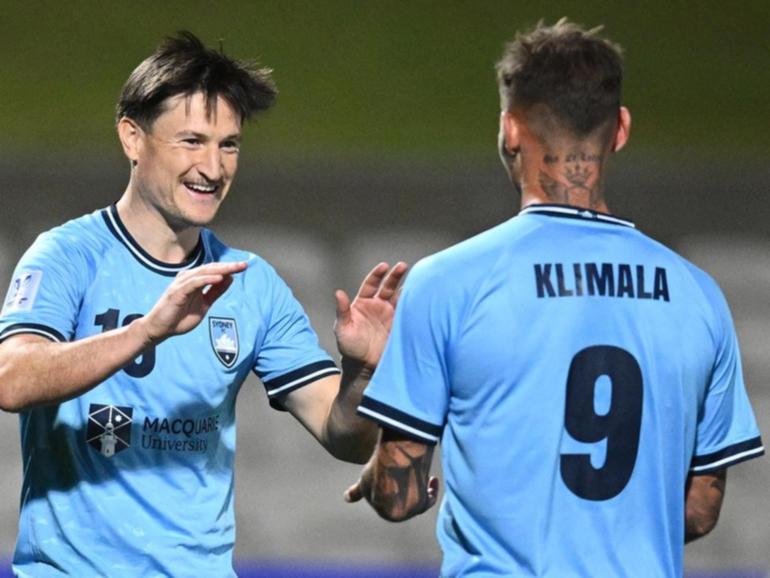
22 292
279 386
34 328
395 419
728 456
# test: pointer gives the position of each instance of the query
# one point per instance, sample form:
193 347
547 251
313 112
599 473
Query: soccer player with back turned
127 333
584 380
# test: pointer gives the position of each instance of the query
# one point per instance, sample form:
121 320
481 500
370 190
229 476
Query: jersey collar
117 228
570 212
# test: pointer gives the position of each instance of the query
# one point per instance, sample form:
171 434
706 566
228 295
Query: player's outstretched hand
392 503
362 327
187 300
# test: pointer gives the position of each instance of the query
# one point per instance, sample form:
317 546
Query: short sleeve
289 356
45 292
727 430
409 391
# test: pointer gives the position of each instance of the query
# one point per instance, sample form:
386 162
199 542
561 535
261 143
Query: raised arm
703 501
396 482
35 371
327 407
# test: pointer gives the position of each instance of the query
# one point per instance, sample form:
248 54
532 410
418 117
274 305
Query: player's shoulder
700 293
702 283
218 250
80 237
221 251
476 256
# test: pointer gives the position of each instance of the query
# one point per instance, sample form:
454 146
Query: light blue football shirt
135 477
575 372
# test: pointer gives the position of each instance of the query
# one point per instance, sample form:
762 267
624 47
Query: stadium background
382 145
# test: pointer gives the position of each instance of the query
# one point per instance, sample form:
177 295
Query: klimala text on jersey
601 280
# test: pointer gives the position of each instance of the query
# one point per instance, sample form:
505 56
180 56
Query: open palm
362 327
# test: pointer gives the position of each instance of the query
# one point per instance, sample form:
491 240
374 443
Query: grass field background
366 78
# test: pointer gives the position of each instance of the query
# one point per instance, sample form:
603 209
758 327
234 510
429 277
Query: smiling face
185 163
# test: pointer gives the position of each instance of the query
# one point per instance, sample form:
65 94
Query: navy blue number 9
620 426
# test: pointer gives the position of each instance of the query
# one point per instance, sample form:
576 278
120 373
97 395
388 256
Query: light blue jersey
135 477
575 372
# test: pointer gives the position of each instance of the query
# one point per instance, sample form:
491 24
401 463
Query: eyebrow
202 136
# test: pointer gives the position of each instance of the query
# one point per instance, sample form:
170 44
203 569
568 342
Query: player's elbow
351 453
11 400
17 373
705 493
699 521
351 446
700 524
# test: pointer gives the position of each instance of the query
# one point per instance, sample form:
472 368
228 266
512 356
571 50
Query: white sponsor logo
109 428
22 293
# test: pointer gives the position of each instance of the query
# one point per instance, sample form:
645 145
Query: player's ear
509 133
623 129
130 135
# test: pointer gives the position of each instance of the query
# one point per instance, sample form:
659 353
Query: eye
231 146
191 141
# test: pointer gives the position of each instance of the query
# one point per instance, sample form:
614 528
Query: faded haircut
563 71
184 65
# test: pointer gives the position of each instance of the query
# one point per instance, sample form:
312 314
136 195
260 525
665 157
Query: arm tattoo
401 478
704 495
719 482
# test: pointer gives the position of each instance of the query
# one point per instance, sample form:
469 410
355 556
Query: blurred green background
395 78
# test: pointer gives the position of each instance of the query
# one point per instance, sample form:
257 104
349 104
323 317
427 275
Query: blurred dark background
382 144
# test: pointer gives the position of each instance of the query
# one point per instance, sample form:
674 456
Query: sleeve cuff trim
33 328
300 377
398 420
731 455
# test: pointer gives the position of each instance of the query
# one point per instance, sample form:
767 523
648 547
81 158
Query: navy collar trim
571 212
117 228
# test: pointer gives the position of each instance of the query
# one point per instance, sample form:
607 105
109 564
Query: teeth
199 188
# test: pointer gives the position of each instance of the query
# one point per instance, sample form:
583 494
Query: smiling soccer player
127 334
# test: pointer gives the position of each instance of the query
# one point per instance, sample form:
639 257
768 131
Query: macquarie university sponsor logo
180 434
109 431
224 339
22 292
109 428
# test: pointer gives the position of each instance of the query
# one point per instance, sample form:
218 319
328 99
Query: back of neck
568 175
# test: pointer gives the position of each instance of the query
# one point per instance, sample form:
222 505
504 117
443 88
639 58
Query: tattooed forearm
704 501
400 484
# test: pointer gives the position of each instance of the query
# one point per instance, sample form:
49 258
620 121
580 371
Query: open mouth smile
203 188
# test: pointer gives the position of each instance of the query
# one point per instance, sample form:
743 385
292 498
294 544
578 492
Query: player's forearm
399 473
704 496
348 436
36 372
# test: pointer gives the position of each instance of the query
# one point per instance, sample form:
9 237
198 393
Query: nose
210 165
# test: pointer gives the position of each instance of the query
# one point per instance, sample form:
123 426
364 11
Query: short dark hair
184 65
573 72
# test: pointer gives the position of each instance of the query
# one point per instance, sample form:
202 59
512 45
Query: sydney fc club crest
224 339
109 428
